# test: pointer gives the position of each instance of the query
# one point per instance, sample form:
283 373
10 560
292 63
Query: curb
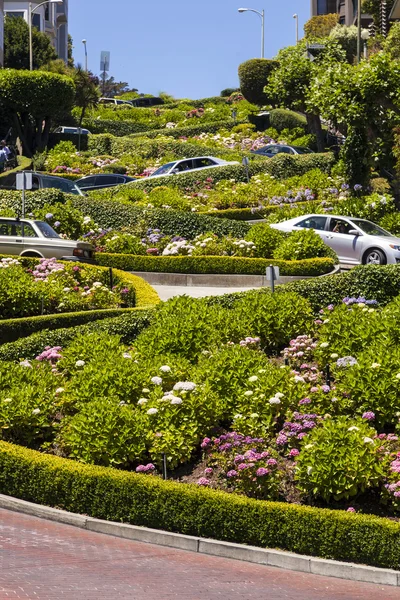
260 556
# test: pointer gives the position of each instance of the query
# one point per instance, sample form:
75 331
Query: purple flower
351 509
203 481
369 415
294 452
231 473
261 472
281 440
357 187
140 469
325 388
242 466
346 361
271 462
149 467
49 216
205 442
305 401
57 224
208 471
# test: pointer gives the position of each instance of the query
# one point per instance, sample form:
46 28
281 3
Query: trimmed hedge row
232 265
281 166
191 130
127 325
118 128
153 148
121 496
13 329
115 214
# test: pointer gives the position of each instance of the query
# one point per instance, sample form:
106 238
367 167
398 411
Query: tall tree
320 26
86 91
33 100
70 51
111 88
253 77
16 45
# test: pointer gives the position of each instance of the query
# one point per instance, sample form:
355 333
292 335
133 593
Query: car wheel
375 257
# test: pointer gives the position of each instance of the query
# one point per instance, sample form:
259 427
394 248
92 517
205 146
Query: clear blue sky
188 49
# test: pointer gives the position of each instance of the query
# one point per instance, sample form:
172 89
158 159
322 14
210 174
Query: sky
185 48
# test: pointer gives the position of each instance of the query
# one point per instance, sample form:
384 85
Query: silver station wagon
24 237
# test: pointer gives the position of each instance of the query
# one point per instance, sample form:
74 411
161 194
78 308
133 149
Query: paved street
196 291
41 560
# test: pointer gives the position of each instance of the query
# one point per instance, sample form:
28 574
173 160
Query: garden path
43 560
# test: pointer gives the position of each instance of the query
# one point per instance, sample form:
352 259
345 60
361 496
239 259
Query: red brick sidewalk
41 560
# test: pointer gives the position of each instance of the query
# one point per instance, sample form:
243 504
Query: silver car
355 241
191 164
24 237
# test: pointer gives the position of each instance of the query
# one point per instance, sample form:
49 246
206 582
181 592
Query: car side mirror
354 232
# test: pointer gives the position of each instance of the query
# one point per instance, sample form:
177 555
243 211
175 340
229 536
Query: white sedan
191 164
355 241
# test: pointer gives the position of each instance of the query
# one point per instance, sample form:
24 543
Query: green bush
281 166
100 144
190 130
108 213
340 460
148 501
13 329
253 77
228 265
265 239
281 119
128 325
303 244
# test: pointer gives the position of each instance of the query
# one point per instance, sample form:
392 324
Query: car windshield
301 150
46 230
370 228
164 169
60 184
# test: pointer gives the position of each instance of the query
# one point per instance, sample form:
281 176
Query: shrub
127 326
229 265
339 460
148 501
253 77
281 119
188 131
303 244
265 239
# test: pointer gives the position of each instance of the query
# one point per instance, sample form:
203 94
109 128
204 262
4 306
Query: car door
348 247
203 163
10 237
88 183
30 239
183 165
107 181
315 222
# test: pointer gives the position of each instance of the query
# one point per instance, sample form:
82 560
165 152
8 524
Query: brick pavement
41 560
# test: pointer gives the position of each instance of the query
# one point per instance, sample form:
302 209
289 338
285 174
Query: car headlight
394 246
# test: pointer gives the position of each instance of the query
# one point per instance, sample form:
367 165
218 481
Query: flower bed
147 501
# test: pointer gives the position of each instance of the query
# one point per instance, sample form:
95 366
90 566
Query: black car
41 181
274 149
102 180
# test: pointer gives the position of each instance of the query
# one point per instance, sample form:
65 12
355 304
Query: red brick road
41 560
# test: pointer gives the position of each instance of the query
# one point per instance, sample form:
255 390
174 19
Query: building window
47 13
14 14
36 21
325 7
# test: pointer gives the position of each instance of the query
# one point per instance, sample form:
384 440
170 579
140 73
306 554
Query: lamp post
86 62
30 13
296 17
358 31
262 15
365 38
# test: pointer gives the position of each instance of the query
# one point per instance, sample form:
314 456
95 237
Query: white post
262 32
30 37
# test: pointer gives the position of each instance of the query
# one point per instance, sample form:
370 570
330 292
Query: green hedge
127 325
121 496
118 128
281 166
154 148
110 213
226 265
13 329
281 119
192 130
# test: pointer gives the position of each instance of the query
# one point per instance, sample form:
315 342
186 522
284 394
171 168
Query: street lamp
30 13
295 16
262 15
84 43
358 31
365 38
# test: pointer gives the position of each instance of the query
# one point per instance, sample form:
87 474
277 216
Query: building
51 19
1 33
395 12
346 9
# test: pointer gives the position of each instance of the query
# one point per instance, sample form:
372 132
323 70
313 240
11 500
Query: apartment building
1 33
346 9
51 19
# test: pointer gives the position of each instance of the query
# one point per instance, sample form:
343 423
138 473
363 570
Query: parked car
41 181
100 181
273 149
24 237
191 164
71 130
147 101
355 241
115 101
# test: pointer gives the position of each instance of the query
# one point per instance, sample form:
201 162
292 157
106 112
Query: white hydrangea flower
127 355
274 400
25 363
187 386
165 369
253 378
238 416
80 363
375 365
156 380
7 400
152 411
176 400
324 345
36 411
279 395
59 390
254 415
353 428
142 401
248 393
368 440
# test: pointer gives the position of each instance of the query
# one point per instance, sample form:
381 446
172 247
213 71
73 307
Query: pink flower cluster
52 355
301 347
46 267
296 429
149 468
